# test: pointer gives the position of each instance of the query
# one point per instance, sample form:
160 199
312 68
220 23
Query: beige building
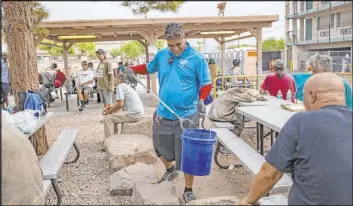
318 26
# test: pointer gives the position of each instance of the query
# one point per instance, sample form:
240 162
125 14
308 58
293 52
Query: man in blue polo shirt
184 84
320 63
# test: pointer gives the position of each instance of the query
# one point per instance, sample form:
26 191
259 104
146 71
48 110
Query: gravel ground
87 181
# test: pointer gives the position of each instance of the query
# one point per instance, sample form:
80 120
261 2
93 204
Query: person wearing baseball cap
185 83
279 81
105 78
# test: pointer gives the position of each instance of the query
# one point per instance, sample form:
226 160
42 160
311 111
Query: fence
248 81
341 60
254 81
236 54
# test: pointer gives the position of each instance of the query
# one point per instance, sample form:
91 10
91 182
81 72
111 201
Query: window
318 23
332 21
338 19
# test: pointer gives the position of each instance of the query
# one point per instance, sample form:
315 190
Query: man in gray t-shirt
129 101
316 146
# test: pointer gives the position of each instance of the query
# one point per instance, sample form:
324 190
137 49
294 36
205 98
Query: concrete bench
53 161
249 157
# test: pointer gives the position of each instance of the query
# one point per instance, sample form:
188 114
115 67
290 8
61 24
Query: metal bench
55 158
249 157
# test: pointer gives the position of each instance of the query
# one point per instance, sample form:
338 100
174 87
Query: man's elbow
270 173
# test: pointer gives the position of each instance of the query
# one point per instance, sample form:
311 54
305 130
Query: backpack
33 100
60 77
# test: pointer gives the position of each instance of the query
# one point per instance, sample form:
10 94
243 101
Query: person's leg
86 92
116 118
189 179
108 98
163 143
80 97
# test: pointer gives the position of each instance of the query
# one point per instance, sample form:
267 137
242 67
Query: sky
71 10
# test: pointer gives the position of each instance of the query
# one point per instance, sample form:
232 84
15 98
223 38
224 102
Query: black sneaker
170 176
188 196
82 107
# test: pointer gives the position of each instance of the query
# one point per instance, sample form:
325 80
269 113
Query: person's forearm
205 91
261 185
140 69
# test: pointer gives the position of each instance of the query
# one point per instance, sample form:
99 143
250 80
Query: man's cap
100 51
211 61
84 62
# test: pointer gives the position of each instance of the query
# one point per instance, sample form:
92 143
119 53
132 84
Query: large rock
228 200
154 194
123 181
142 127
125 150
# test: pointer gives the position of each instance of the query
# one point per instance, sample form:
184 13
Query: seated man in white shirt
128 100
84 84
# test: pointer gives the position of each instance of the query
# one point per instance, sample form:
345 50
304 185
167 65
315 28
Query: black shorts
167 137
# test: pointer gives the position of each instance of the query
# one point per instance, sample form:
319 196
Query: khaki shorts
86 89
106 96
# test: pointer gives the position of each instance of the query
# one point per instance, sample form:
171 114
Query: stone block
123 181
125 150
154 194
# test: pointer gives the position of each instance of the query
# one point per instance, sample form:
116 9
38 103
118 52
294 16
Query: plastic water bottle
279 94
289 95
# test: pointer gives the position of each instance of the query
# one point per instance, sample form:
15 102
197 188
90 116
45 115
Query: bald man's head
323 89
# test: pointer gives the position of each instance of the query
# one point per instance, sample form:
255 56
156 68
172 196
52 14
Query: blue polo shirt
300 80
180 80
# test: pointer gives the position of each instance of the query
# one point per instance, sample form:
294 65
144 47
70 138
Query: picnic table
270 116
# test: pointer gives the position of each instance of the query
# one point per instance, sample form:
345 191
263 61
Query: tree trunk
22 56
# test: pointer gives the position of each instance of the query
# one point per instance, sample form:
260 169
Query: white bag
26 121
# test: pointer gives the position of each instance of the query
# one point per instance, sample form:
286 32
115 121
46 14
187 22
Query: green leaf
132 49
144 7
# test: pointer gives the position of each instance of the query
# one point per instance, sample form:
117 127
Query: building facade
318 27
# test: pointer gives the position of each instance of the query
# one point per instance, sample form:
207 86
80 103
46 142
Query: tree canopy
132 49
144 7
86 48
115 52
273 44
159 44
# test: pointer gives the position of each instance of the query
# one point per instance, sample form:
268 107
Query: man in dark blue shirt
316 146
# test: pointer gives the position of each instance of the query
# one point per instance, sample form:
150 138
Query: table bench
54 159
250 158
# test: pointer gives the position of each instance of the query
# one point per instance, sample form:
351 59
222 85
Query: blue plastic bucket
197 150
